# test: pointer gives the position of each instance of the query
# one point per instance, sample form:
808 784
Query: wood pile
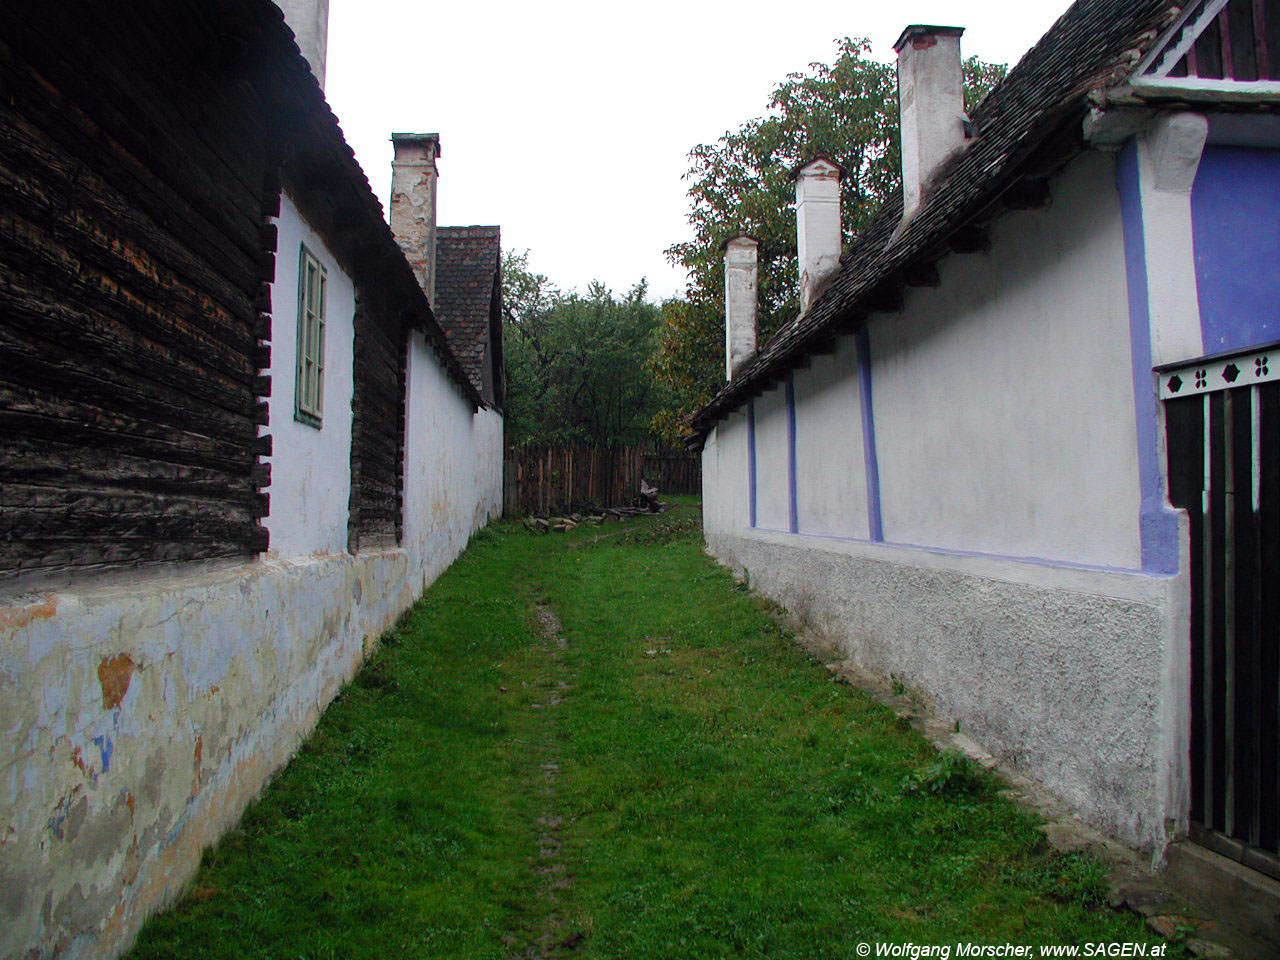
597 518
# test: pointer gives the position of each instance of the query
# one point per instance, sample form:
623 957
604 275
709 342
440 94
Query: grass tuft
951 774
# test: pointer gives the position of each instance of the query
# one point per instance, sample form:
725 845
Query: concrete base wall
139 721
1068 674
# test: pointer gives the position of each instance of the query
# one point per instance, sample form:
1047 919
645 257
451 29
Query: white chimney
817 225
740 258
413 203
309 21
930 105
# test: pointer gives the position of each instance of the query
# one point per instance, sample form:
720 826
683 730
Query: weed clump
378 675
952 774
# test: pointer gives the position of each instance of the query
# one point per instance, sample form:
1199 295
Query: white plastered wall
310 466
831 480
773 461
453 464
726 492
1009 591
1004 397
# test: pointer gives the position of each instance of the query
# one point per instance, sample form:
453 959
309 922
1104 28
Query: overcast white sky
568 123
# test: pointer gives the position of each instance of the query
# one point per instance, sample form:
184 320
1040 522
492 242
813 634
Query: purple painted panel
875 520
751 460
1235 215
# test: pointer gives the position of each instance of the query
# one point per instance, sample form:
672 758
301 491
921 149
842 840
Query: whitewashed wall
125 753
831 478
1008 586
773 466
1004 397
453 465
726 494
310 467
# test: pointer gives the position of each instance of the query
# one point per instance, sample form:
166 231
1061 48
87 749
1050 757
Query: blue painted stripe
871 462
1158 524
792 509
751 459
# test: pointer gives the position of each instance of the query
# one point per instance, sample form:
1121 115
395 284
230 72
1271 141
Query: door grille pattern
1224 469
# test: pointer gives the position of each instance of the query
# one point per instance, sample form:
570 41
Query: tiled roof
467 264
1028 122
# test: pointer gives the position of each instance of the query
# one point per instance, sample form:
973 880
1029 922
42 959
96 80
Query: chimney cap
800 168
741 236
925 30
417 138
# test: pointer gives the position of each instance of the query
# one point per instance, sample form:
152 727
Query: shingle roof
467 264
1026 127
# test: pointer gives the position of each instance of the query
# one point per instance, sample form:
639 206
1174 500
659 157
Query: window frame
308 384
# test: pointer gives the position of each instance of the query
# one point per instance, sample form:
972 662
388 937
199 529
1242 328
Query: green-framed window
313 292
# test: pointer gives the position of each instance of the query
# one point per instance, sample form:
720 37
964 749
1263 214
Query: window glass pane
312 293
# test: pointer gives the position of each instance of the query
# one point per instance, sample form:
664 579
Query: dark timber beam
921 274
1028 195
970 240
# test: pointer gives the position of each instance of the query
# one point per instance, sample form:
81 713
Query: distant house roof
1027 127
468 260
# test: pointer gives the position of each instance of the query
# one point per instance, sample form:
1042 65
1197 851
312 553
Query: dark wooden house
206 335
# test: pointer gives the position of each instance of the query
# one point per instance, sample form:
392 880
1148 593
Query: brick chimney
817 225
930 105
741 255
413 203
309 21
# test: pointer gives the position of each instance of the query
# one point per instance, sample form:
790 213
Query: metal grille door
1224 468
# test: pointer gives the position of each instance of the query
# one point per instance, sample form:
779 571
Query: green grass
716 796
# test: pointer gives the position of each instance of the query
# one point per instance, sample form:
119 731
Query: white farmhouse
1021 447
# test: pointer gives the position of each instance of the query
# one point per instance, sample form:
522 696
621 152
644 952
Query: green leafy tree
577 366
847 111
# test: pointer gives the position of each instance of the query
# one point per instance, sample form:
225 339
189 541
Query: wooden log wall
377 430
557 479
132 261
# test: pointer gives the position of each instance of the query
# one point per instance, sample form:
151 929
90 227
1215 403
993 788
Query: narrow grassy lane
602 747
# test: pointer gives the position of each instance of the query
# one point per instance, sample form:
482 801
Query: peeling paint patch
78 759
14 619
115 673
68 815
105 747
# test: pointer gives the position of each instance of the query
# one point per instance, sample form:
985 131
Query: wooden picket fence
545 480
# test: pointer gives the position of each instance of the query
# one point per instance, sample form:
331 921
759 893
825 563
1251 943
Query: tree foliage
576 363
847 111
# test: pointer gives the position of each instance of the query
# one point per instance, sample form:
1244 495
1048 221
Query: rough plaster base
1062 673
138 723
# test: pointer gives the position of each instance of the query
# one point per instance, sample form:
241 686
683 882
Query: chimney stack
817 225
309 21
413 203
740 258
930 104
